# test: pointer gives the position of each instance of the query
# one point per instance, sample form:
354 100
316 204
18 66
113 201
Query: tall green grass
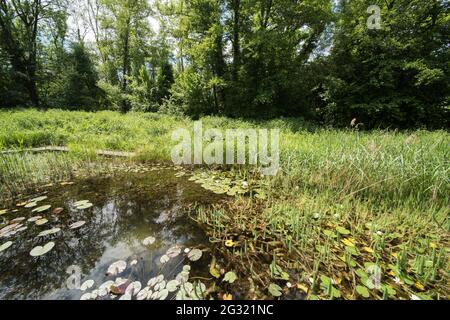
398 182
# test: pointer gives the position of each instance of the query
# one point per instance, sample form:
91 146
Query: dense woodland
314 59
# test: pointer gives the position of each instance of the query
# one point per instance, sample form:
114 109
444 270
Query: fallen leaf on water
58 210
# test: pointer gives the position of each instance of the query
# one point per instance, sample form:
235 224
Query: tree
396 75
19 22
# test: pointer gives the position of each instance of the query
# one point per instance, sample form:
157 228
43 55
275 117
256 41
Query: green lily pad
38 199
362 291
49 232
5 246
195 254
30 205
86 206
81 202
148 241
41 222
230 277
172 285
77 225
41 250
275 290
41 208
342 230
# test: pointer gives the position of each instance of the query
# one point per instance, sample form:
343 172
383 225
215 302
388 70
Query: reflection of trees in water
126 210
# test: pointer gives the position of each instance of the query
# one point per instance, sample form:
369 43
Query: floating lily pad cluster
223 183
157 287
83 204
17 225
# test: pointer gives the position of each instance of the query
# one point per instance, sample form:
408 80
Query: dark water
126 209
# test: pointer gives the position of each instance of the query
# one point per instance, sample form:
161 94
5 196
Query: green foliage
395 76
315 59
76 87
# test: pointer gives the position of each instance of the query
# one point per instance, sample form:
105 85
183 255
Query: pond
103 234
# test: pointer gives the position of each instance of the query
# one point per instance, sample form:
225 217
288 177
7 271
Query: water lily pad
5 246
275 290
3 211
38 199
152 282
160 285
342 230
173 252
86 296
125 297
42 208
164 259
117 268
20 219
163 294
199 291
105 287
34 219
30 205
21 229
133 288
143 294
362 291
172 285
49 232
77 225
81 202
182 277
41 250
230 277
148 241
87 285
84 206
41 222
195 254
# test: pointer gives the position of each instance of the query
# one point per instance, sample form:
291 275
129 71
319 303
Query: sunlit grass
388 189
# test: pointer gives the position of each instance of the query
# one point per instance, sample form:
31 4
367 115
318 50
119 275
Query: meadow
346 205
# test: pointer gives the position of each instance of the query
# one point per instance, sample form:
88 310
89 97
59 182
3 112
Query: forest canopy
315 59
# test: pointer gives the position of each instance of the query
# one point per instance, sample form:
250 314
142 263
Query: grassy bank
344 201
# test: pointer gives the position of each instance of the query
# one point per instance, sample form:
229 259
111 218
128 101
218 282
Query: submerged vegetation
351 214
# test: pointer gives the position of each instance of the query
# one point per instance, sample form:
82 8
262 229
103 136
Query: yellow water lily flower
227 296
230 243
419 286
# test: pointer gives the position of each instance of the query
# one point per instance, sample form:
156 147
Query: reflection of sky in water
126 210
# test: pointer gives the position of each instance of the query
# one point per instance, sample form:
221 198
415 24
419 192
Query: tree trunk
126 64
236 7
